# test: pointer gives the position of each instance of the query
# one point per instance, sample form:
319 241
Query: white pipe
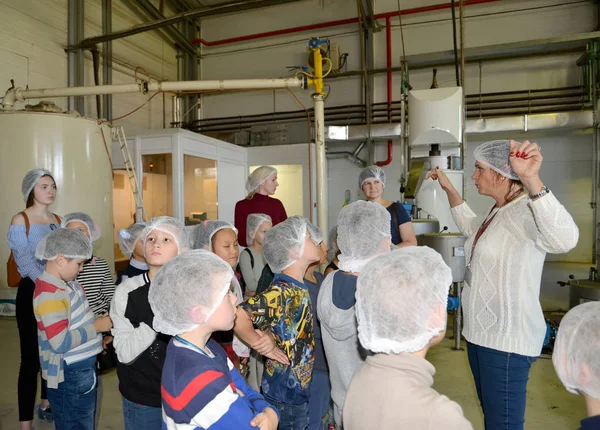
321 162
20 94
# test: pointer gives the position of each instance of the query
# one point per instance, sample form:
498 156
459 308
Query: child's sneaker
44 413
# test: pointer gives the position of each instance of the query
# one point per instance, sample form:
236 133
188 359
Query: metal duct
549 121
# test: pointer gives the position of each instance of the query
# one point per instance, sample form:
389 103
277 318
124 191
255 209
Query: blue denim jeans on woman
291 417
501 383
74 401
139 417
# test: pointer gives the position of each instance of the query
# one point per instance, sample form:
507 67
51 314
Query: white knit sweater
501 308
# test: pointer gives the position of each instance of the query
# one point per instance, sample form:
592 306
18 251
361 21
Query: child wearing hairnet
141 350
320 388
69 336
95 277
401 300
283 317
99 288
252 260
220 237
363 234
576 358
132 247
192 297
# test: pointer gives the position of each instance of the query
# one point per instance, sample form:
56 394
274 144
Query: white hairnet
332 246
201 236
68 242
576 354
31 179
171 226
129 236
363 228
252 223
496 155
193 278
401 300
373 173
259 176
284 243
316 234
93 228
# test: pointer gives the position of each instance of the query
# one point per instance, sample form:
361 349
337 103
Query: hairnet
129 236
332 246
363 228
201 236
252 223
31 179
171 226
284 243
576 354
401 300
259 176
193 278
496 155
68 242
371 172
93 228
316 234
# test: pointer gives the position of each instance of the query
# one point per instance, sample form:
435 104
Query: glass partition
200 189
157 184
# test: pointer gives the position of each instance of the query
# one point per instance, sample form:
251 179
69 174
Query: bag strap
251 257
394 207
26 218
58 218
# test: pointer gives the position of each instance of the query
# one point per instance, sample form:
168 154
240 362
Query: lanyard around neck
482 230
191 345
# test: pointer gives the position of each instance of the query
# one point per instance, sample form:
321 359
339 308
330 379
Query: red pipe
388 46
302 28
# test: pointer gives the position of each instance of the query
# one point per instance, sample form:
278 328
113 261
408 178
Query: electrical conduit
388 45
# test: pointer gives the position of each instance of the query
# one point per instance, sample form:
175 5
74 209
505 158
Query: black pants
30 358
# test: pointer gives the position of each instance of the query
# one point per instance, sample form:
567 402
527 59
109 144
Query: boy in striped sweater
192 296
68 332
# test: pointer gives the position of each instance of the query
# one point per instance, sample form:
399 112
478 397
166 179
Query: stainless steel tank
422 226
451 247
70 147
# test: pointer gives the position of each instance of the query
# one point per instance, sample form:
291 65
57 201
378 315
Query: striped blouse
98 284
23 247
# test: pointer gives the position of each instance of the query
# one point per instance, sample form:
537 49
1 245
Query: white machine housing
435 116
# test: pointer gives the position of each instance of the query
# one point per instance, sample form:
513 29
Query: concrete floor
549 405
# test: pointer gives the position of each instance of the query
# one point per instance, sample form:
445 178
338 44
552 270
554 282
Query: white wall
33 37
486 24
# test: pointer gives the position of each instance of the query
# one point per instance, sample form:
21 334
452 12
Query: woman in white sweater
505 252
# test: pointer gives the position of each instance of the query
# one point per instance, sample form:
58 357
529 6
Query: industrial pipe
321 161
388 45
303 28
20 94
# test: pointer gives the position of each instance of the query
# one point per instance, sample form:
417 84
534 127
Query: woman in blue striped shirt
26 229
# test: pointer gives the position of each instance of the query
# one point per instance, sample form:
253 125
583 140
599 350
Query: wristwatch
539 194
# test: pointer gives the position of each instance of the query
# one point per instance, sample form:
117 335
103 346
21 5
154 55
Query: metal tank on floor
73 149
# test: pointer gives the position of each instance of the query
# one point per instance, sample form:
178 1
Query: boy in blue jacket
191 297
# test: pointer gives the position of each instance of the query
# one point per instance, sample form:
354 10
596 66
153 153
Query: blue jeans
320 397
139 417
501 383
74 401
291 417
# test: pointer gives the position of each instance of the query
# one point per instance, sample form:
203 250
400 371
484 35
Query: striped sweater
98 284
202 392
65 322
23 247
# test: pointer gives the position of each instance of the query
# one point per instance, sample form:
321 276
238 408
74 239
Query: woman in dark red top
261 184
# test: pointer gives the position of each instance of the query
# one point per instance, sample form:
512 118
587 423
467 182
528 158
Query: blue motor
551 330
453 303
